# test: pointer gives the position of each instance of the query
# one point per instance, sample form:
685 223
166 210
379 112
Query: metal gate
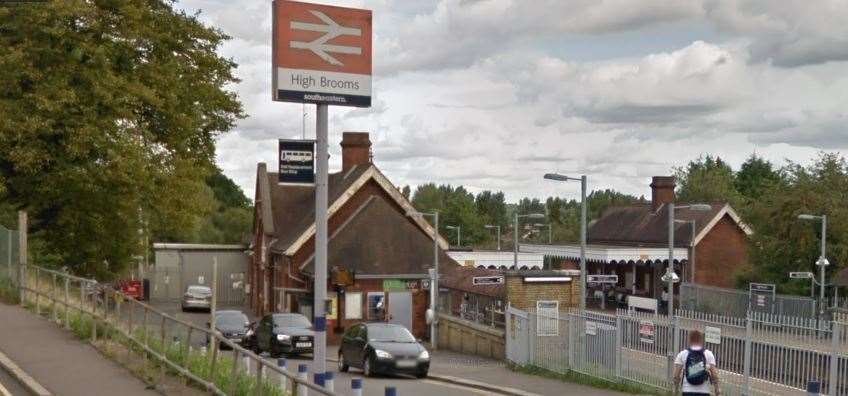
517 336
400 309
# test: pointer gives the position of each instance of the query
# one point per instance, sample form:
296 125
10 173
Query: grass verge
583 379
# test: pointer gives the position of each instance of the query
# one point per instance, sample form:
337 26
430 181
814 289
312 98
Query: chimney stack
662 191
356 149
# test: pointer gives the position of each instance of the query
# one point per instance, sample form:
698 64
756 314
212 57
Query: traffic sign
321 54
487 280
602 279
801 275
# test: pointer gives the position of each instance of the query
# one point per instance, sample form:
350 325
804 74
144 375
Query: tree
108 119
755 176
707 179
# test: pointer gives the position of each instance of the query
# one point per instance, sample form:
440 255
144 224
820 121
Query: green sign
394 284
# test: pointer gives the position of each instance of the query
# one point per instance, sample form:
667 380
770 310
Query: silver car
197 297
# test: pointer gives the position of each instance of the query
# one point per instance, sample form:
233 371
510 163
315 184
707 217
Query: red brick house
632 242
378 255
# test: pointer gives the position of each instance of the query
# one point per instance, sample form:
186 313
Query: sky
493 94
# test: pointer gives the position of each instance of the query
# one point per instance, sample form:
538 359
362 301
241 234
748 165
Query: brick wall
464 336
721 255
523 295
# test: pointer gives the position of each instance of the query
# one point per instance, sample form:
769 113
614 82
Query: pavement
59 361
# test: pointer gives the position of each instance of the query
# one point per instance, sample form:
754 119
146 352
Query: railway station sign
801 275
321 54
487 280
761 297
296 161
602 279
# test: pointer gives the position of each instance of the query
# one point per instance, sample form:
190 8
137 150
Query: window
547 318
353 305
376 305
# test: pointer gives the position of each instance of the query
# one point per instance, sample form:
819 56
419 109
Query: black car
283 333
233 325
383 348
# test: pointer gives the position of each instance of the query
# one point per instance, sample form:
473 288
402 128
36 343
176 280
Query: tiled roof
639 225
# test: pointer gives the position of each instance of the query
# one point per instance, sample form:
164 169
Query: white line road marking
331 30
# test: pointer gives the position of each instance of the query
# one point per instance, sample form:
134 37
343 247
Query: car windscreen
389 334
298 321
199 290
231 319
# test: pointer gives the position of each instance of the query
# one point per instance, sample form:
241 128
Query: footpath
493 375
60 362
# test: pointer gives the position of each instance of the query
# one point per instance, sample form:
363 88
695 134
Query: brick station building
632 242
378 256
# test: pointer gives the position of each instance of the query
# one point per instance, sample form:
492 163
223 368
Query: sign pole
320 287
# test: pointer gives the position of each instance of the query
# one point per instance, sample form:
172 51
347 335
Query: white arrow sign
331 30
801 275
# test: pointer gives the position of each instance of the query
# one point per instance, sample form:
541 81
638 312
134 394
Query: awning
610 254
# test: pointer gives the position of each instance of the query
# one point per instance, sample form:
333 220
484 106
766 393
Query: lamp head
556 176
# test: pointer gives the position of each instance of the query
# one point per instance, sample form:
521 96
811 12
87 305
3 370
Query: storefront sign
321 54
393 284
296 161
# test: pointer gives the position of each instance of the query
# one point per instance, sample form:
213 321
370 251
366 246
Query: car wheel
366 367
343 367
421 374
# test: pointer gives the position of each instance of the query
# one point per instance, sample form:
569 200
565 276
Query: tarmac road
10 386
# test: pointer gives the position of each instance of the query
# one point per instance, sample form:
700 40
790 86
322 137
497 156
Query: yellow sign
332 308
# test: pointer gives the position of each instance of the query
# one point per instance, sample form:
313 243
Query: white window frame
547 318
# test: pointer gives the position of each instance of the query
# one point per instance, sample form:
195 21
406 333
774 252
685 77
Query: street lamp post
515 234
434 278
670 277
458 229
498 228
822 261
583 229
691 247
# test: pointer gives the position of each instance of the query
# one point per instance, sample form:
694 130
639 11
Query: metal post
319 363
670 268
23 230
300 390
37 291
328 381
822 305
434 285
53 299
281 363
213 341
836 336
234 371
746 368
515 241
67 303
583 214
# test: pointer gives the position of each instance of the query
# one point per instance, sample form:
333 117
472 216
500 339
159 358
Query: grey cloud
645 114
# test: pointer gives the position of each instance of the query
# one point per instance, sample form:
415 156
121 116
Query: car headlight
283 337
424 355
382 354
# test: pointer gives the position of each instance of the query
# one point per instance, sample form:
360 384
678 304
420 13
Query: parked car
284 333
197 297
233 325
383 348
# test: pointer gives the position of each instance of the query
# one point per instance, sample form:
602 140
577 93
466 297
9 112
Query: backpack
696 367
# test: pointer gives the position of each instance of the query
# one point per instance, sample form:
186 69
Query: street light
550 233
583 210
822 261
670 277
434 276
498 228
515 233
458 229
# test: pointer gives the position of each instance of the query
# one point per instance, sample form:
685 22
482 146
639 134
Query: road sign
602 279
296 161
321 54
801 275
487 280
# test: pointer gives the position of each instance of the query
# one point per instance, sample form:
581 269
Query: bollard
281 363
391 391
303 376
813 388
328 381
318 379
246 361
203 350
356 386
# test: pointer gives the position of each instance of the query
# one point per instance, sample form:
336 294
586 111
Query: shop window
376 306
353 305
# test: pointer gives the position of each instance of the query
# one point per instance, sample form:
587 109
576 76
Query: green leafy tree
707 179
108 118
755 176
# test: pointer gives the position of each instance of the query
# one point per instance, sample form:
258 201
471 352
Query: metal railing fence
761 354
733 302
102 313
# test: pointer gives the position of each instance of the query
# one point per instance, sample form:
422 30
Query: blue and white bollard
356 386
318 379
303 375
813 388
328 381
281 363
391 391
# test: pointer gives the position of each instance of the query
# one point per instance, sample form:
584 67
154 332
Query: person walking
695 368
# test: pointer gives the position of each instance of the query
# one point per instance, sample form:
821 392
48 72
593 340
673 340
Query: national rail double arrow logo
331 30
